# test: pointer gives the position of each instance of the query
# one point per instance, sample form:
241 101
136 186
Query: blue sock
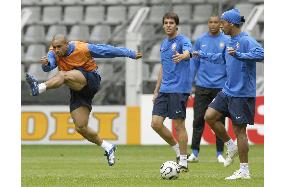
195 152
219 153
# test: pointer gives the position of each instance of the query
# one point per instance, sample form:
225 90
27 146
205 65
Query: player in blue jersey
209 80
237 98
173 88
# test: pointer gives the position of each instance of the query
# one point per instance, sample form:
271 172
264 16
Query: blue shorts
172 105
85 96
240 109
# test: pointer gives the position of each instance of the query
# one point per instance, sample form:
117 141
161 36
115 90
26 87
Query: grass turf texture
85 165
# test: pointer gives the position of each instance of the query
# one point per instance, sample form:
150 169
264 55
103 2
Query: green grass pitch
85 165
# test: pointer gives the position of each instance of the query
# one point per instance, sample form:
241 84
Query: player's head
231 20
214 24
60 45
170 23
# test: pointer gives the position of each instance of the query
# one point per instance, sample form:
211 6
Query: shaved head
59 44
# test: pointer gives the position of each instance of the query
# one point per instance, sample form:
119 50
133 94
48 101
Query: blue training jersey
176 77
240 68
207 74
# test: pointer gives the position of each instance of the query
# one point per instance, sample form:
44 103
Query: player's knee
209 118
156 126
81 129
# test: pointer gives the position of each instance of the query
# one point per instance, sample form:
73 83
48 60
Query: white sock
183 160
244 167
230 144
106 145
41 88
176 149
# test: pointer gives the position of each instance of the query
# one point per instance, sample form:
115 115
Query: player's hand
44 60
155 96
177 57
138 55
195 53
231 51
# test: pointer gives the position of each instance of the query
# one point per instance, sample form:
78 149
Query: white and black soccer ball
169 170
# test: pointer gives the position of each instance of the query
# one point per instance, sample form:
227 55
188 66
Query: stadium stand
34 53
116 14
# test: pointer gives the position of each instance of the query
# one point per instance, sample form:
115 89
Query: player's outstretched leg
110 155
33 83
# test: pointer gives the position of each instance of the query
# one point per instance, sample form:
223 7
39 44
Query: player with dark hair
78 70
173 88
237 98
210 79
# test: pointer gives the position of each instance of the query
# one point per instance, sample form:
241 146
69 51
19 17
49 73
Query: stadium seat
112 2
69 2
256 32
116 14
94 15
106 71
100 33
262 35
202 12
184 12
119 34
51 15
146 72
34 53
79 32
156 13
133 2
48 2
155 72
199 29
261 19
148 32
245 8
34 34
256 1
73 15
156 2
177 1
91 2
185 29
23 72
55 29
36 13
29 2
36 70
132 10
155 53
22 53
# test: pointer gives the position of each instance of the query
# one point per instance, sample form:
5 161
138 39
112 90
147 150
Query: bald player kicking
78 70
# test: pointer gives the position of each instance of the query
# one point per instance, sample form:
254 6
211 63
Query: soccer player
78 70
210 79
173 88
237 98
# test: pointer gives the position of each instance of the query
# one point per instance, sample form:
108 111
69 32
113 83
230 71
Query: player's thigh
75 79
239 129
201 102
80 116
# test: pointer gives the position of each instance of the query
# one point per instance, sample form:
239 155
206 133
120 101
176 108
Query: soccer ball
169 170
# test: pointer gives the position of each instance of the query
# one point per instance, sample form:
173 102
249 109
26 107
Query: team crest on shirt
174 47
237 45
221 45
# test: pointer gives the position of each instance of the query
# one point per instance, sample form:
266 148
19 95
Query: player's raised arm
109 51
48 62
